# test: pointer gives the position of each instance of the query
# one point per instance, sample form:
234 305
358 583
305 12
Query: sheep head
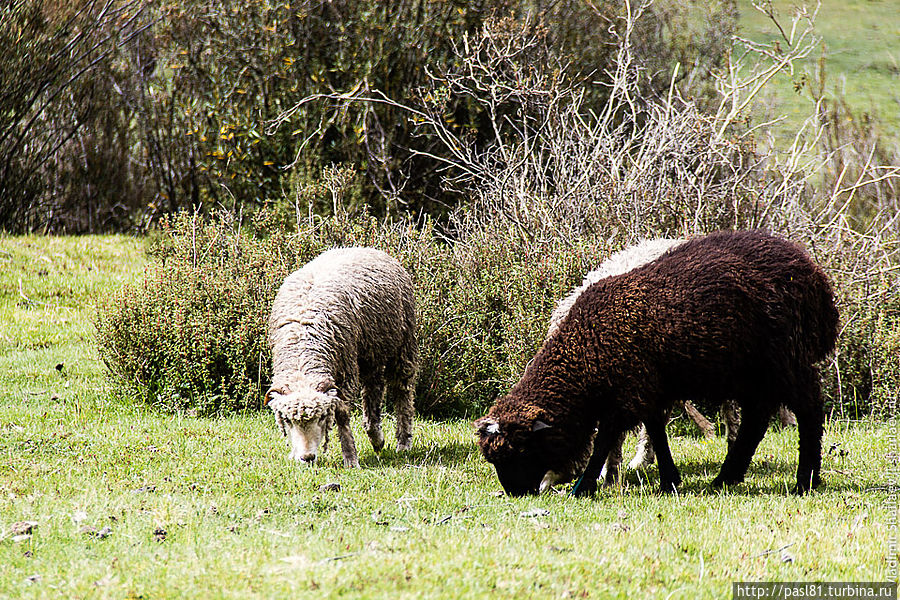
516 445
305 415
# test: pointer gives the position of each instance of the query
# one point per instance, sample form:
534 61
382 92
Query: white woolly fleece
630 258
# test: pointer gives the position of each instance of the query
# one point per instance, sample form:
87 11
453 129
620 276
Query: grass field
100 498
861 44
129 503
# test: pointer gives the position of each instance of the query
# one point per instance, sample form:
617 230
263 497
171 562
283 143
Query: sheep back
347 309
620 262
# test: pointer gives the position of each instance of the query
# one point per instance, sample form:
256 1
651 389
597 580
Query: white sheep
344 321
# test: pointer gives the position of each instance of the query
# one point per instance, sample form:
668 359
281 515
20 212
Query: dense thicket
65 149
191 335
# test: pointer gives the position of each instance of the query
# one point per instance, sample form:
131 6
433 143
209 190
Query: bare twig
767 552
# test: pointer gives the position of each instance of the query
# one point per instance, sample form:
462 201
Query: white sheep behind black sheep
622 261
342 324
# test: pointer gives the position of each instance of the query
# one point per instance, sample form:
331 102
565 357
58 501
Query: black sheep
743 315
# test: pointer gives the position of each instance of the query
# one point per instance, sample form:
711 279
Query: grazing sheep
742 315
346 318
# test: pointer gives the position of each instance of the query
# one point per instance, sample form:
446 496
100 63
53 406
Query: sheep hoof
639 462
376 437
587 488
404 446
668 487
609 477
721 481
802 488
669 480
351 462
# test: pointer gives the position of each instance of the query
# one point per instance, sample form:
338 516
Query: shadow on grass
766 476
452 454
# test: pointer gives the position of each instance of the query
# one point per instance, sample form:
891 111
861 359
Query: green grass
212 508
861 42
48 288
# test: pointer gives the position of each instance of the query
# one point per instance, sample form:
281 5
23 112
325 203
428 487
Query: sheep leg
731 414
754 422
810 426
669 477
603 444
402 392
373 398
348 446
644 455
708 429
610 471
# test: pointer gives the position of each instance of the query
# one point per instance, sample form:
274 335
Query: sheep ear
540 425
326 387
273 393
487 426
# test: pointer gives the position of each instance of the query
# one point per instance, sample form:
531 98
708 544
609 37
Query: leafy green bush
485 314
191 335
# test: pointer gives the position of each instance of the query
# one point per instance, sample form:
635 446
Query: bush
120 112
227 93
484 307
863 377
65 134
191 334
